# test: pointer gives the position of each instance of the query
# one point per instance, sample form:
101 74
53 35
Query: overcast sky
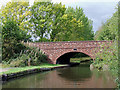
96 10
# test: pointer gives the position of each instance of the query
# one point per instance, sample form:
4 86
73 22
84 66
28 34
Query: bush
17 63
29 56
109 57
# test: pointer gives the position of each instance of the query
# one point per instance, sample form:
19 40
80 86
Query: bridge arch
64 58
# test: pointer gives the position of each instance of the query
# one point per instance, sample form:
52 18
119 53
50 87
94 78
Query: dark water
72 77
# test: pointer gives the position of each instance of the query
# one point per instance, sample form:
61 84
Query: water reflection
73 77
29 81
80 73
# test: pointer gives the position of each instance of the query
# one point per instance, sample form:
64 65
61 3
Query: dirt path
4 69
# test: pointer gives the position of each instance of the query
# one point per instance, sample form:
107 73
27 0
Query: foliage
68 29
17 11
28 57
56 23
74 26
41 18
79 55
15 24
109 29
78 60
58 11
108 57
11 36
48 21
43 40
86 31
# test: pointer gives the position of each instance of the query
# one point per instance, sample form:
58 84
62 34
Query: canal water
71 77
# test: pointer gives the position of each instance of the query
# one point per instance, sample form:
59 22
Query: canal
71 77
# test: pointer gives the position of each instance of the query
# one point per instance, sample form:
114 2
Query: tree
74 26
69 29
18 12
78 14
52 22
41 18
109 29
15 27
58 11
11 37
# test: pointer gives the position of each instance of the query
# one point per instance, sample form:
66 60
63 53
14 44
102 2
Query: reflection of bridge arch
64 57
79 73
55 49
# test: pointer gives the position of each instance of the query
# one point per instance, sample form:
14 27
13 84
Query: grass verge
77 60
21 69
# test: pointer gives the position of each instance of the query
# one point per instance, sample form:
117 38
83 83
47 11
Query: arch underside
65 58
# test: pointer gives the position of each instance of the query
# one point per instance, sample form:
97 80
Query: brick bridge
61 52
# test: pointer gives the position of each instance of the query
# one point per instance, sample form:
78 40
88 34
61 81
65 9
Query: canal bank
15 73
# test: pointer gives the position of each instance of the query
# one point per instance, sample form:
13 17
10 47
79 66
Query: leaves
72 27
18 12
40 18
11 37
109 29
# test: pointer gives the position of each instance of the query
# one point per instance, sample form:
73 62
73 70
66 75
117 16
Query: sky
96 10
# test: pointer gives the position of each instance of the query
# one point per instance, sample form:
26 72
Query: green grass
0 65
20 69
77 60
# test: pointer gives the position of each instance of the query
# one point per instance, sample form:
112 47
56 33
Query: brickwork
55 49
